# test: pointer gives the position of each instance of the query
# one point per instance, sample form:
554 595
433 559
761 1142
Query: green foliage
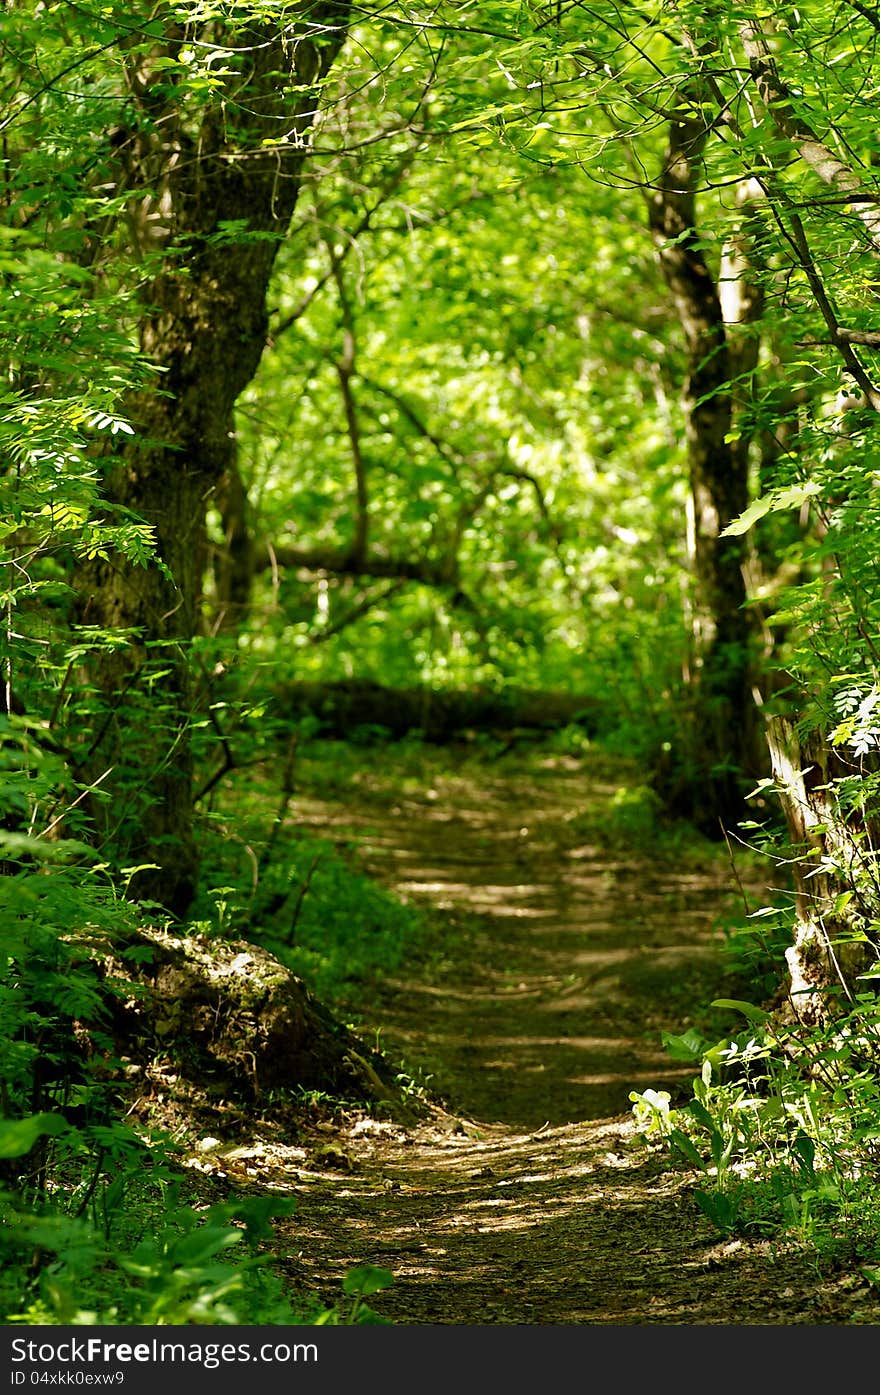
153 1260
358 1285
466 461
636 818
92 1228
331 924
782 1130
336 926
755 944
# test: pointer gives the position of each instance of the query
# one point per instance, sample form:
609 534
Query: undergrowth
322 919
782 1130
300 895
100 1220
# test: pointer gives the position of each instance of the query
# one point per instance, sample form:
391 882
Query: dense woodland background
495 372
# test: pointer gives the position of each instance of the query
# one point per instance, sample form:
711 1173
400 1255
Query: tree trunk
221 199
139 748
722 744
830 869
233 562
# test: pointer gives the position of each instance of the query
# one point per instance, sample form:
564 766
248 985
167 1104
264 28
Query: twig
229 759
284 804
80 797
733 868
303 892
356 612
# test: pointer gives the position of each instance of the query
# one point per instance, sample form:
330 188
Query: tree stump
232 1018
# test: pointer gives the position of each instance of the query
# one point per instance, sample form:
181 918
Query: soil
517 1190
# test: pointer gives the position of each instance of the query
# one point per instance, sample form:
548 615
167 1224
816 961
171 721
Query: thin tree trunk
835 882
832 871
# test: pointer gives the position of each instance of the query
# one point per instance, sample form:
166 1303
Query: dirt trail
527 1197
574 949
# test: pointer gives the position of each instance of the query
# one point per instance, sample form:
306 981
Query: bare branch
441 571
869 337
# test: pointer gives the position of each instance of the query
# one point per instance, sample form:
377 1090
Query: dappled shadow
559 954
572 955
565 1226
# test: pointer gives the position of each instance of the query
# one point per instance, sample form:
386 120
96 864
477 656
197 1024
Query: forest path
570 940
565 944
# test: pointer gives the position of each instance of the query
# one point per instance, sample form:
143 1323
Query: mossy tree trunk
721 740
210 196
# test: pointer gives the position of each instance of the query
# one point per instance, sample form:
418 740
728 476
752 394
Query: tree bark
214 202
832 861
722 733
233 562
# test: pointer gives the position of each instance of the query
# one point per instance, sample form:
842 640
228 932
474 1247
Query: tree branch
869 337
779 101
440 572
389 187
345 368
866 12
841 340
777 97
356 612
449 453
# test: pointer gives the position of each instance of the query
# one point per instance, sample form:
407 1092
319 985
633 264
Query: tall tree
722 732
207 157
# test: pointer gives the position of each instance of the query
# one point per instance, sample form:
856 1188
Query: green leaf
18 1136
688 1046
367 1279
774 502
754 1014
202 1244
702 1115
682 1143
